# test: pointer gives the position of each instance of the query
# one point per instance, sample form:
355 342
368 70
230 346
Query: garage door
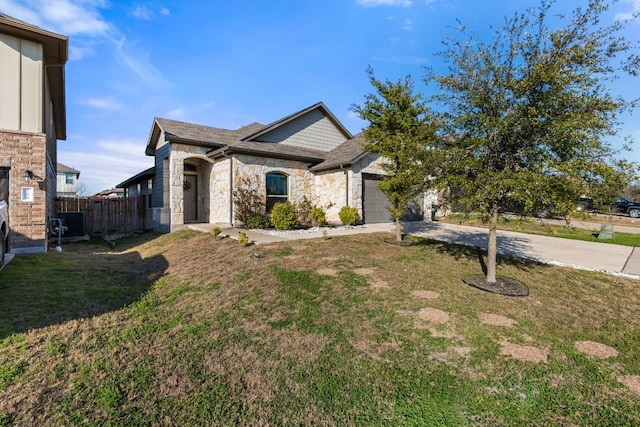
375 204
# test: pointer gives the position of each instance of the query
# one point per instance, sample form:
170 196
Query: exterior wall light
28 175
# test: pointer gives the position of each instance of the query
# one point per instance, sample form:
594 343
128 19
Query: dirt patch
596 349
526 353
633 382
364 271
426 294
495 320
327 272
380 284
433 315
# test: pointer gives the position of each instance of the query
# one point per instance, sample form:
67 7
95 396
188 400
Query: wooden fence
109 215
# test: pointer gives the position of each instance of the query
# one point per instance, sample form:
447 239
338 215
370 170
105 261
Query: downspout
346 181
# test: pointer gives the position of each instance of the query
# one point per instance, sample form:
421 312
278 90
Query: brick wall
27 220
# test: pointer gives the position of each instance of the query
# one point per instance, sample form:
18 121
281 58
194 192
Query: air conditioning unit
76 223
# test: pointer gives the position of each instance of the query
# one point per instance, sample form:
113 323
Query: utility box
76 223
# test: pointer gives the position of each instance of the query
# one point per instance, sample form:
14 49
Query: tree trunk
493 246
398 230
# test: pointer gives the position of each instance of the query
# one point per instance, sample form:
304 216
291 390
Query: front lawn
180 329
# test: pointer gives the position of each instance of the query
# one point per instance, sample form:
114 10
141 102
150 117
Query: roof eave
223 151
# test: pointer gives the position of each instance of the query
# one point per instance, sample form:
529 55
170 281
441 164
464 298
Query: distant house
32 120
109 193
306 154
140 188
67 181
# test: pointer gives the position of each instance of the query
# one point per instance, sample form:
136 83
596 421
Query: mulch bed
503 286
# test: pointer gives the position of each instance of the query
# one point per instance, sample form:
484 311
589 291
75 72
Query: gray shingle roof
344 154
224 141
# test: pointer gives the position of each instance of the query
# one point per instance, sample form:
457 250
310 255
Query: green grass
524 225
320 332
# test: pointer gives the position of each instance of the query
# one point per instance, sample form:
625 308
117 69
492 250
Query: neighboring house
67 181
140 188
32 119
110 193
306 154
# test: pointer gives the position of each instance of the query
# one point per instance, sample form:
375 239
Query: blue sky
230 63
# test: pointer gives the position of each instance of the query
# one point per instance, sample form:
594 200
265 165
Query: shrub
247 201
349 215
318 217
260 221
215 232
284 216
304 209
242 238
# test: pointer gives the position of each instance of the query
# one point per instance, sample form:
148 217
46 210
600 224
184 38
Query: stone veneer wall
27 220
220 202
301 181
331 192
178 154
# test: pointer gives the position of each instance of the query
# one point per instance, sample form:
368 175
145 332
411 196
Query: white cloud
109 163
176 114
374 3
408 25
139 63
635 9
165 11
142 12
108 103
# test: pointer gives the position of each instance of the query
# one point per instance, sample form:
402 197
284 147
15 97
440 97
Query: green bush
349 215
318 217
284 216
260 221
215 232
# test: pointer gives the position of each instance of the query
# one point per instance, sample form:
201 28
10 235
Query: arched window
277 189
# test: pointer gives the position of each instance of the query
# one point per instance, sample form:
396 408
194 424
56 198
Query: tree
532 111
401 130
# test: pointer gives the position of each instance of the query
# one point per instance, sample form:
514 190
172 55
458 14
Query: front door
190 187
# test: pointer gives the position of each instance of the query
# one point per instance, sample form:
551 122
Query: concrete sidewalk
594 256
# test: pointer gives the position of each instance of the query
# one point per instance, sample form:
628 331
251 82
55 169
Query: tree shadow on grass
86 279
464 244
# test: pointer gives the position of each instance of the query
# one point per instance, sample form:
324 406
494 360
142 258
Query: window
277 189
68 178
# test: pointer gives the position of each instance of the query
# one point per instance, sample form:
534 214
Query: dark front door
190 187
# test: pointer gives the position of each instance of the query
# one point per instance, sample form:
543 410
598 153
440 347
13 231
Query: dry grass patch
596 349
495 320
426 294
525 353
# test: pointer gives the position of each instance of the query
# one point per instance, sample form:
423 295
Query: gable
313 130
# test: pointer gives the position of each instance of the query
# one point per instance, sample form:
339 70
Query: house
67 181
110 193
32 120
306 154
140 188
